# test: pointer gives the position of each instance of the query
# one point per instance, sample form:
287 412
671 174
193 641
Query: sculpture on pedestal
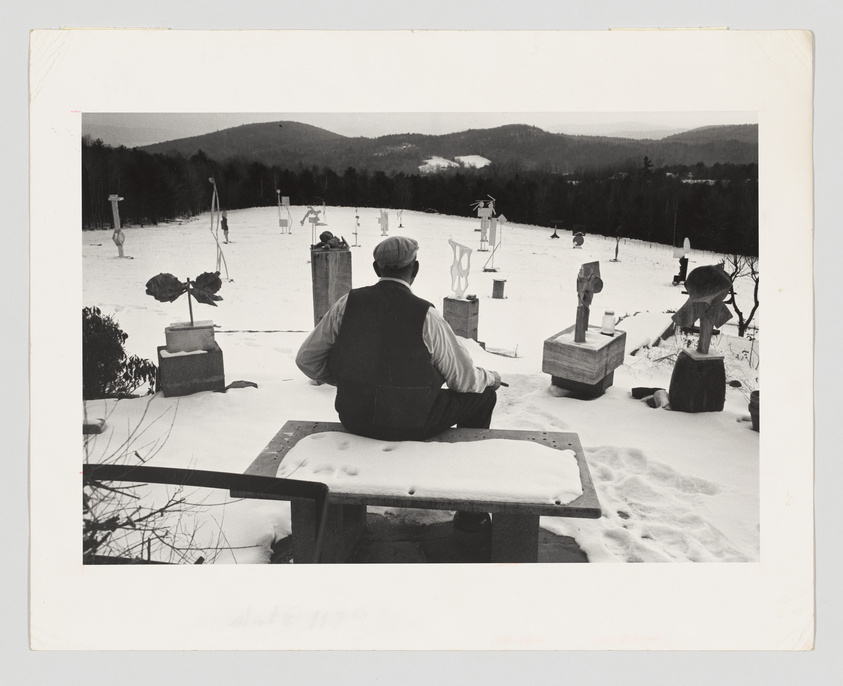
698 382
461 313
192 360
578 358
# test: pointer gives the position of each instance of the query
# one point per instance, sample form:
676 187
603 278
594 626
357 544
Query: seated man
388 352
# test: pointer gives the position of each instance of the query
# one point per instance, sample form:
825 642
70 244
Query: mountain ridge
289 144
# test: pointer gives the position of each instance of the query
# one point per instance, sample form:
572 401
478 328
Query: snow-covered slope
673 486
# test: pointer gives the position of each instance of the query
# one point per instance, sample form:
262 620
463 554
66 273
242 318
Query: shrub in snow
107 372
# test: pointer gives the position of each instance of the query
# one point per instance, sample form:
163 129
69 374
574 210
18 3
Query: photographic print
504 335
663 206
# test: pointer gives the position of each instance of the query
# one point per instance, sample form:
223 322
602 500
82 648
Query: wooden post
343 529
331 274
515 537
706 327
583 313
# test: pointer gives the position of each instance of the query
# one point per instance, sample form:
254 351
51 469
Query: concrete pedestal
183 373
331 275
698 383
586 367
462 315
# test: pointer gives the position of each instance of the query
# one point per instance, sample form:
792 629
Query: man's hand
495 386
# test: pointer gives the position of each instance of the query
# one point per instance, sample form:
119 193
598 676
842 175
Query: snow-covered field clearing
673 486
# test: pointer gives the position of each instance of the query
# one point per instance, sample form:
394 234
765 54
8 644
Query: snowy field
674 487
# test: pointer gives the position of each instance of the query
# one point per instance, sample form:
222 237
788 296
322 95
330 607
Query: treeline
716 206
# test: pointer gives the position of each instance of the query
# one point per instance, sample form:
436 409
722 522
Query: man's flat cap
395 252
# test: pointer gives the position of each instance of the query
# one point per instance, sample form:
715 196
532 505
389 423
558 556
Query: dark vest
383 370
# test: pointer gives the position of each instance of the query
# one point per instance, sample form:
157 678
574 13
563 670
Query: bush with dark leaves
107 372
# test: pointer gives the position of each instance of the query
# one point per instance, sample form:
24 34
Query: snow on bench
518 476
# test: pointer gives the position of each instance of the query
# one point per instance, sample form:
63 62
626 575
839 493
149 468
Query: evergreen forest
714 205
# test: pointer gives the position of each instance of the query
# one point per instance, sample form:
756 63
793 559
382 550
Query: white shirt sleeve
450 357
312 357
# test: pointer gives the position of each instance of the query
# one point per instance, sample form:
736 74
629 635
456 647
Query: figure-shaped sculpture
459 270
117 236
284 222
707 289
485 208
383 220
588 283
484 235
312 216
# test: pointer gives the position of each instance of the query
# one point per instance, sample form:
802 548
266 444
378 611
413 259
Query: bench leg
345 525
515 538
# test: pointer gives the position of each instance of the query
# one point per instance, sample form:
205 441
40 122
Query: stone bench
515 524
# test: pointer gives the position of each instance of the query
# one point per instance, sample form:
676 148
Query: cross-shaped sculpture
707 288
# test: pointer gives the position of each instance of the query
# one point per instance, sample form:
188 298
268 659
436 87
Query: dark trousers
465 410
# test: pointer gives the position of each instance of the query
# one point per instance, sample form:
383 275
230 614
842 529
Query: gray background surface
21 666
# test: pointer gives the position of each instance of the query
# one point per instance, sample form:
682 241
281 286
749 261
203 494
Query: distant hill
745 133
289 144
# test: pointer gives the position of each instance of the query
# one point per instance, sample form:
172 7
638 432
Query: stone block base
462 315
187 373
586 367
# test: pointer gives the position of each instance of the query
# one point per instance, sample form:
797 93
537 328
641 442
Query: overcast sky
132 129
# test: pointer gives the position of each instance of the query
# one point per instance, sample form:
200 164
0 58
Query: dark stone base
186 374
584 389
698 383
